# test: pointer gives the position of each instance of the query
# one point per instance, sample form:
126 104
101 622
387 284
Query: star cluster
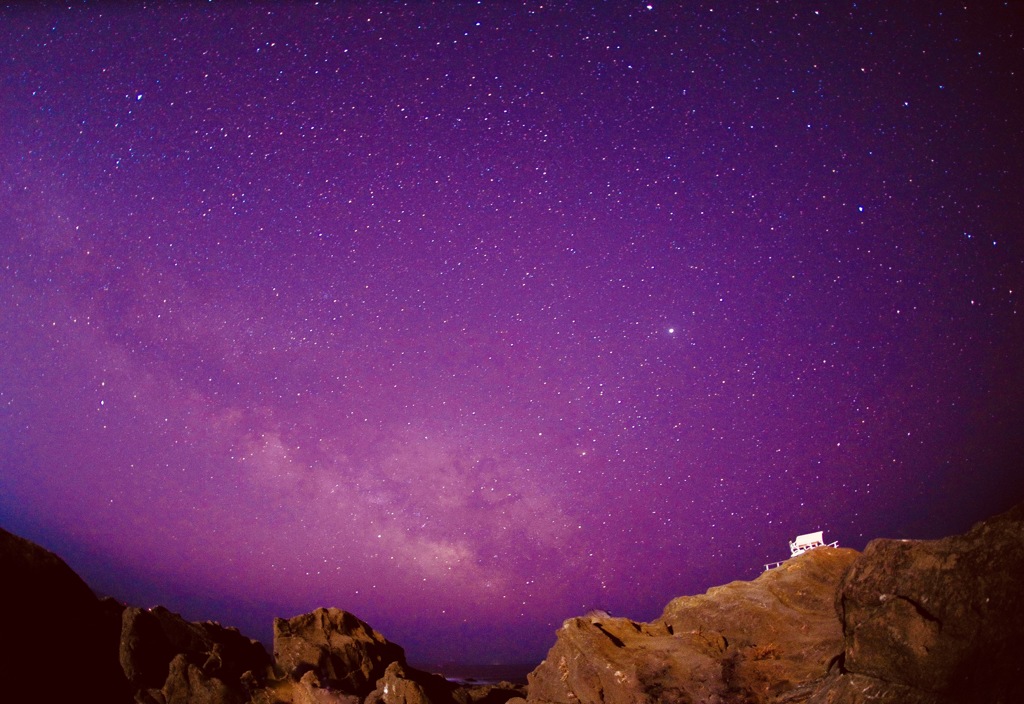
468 318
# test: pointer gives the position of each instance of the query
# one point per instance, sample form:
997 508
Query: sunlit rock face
745 641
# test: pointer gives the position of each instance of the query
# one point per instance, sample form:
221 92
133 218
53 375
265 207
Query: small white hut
802 544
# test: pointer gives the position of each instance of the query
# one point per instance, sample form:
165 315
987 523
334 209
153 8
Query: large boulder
53 629
747 642
168 659
343 652
935 621
404 685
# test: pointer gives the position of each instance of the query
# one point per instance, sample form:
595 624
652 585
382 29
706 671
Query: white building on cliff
802 544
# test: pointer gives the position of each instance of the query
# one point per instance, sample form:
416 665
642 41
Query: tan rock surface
743 642
344 652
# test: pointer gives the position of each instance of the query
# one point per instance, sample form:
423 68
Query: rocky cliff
53 629
906 622
934 622
743 642
909 622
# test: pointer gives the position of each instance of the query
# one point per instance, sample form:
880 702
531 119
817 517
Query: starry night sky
470 318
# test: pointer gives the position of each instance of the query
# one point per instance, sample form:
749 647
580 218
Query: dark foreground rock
743 642
168 659
57 637
935 622
53 629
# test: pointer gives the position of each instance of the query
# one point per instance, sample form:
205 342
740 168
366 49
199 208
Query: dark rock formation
501 693
168 659
306 690
53 630
743 642
935 621
188 683
343 652
402 684
329 655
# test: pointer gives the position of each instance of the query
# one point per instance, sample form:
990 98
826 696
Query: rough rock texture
850 688
187 683
935 621
309 690
306 690
406 685
330 656
501 693
752 642
168 659
53 629
343 652
403 685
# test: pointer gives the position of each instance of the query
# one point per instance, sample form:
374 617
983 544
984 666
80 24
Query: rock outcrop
406 685
168 659
53 629
343 652
906 622
935 622
55 635
743 642
403 685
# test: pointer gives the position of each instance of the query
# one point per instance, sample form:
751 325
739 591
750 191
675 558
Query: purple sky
470 318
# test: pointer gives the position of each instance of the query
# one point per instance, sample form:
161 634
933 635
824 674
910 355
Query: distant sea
480 674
